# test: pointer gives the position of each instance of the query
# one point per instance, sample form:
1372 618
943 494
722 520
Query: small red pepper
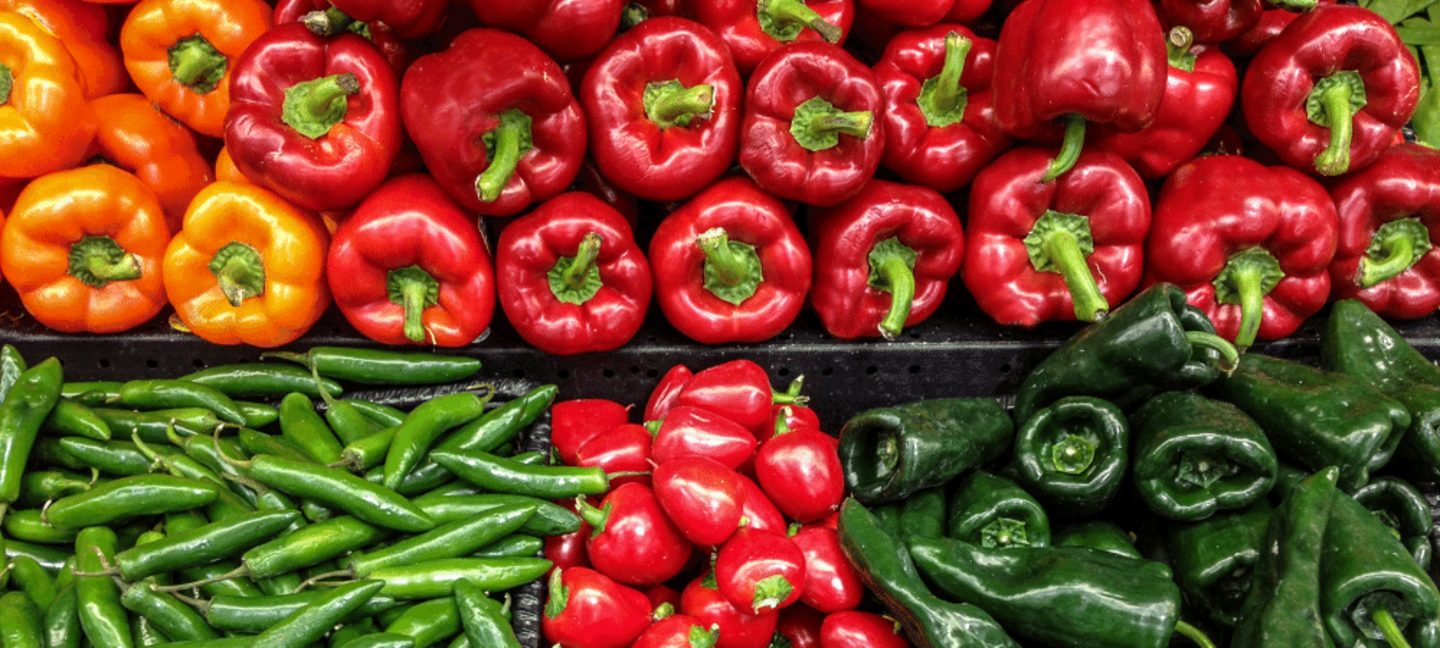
861 629
1332 89
811 129
760 571
1250 245
702 600
688 430
800 625
587 609
568 549
633 541
409 266
494 120
755 29
574 422
884 259
411 19
736 389
703 498
625 448
571 277
1272 20
678 631
1070 249
787 417
759 512
730 265
662 396
565 29
831 582
801 471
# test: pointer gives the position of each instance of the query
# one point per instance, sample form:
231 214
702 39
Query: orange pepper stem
240 271
99 260
506 144
195 63
7 81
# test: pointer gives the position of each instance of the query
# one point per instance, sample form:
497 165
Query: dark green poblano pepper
1101 535
994 512
1072 455
1214 559
1403 509
888 453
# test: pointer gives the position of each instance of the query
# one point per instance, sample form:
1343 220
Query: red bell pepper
494 120
1199 92
760 513
1389 220
1211 21
940 126
908 13
409 266
812 130
730 265
1330 92
1271 22
663 105
801 471
565 29
884 259
325 19
755 29
861 629
1081 61
1250 245
760 571
800 625
1065 250
315 119
689 430
571 277
410 19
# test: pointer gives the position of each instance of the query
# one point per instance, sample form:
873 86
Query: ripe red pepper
571 277
1331 90
313 118
736 389
730 265
689 430
1066 250
861 629
1250 245
663 104
409 266
1089 61
587 609
831 582
1272 20
625 448
494 120
633 541
702 600
800 625
574 422
1211 21
702 497
801 471
811 129
566 29
662 396
940 125
755 29
324 17
908 13
678 631
785 417
411 19
760 571
1389 220
759 512
568 549
885 258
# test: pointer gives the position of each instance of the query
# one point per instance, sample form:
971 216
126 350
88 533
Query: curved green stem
670 103
574 280
327 22
196 64
1247 277
784 20
98 260
1393 248
732 269
892 269
1062 243
1072 454
818 124
1193 634
1388 627
1333 104
414 290
1069 148
313 107
942 98
506 144
1178 43
1229 355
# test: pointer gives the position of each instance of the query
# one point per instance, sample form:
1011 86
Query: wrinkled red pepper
730 265
884 259
1211 21
811 129
1272 20
754 29
1066 250
940 126
409 266
410 19
315 119
1250 245
323 18
1389 220
494 120
663 105
571 277
564 29
1081 61
1331 90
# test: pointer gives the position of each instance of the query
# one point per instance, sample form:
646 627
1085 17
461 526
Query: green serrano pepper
151 425
382 366
549 518
504 475
436 578
426 423
70 417
114 457
515 545
303 427
201 545
41 486
311 545
166 613
29 401
160 393
311 622
104 619
12 364
20 625
354 418
33 580
338 489
378 640
256 442
429 622
30 525
253 614
452 540
483 618
62 618
127 498
263 379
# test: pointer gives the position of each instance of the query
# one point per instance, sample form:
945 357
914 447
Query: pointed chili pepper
45 119
754 29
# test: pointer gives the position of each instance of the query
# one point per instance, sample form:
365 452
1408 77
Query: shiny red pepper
587 609
313 118
1066 250
565 29
1272 20
688 430
754 29
1250 245
1211 21
633 541
494 120
571 277
326 19
663 104
884 259
625 448
576 421
736 389
702 600
940 126
908 13
410 19
730 265
409 266
831 582
811 129
1331 90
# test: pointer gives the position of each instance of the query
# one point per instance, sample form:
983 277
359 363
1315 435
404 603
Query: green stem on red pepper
240 271
99 260
196 64
732 269
504 145
1069 148
1247 277
670 103
414 290
313 107
892 269
1333 103
331 21
783 20
574 280
1061 242
818 124
1395 247
1178 43
942 98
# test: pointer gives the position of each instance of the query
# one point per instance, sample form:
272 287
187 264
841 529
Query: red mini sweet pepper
313 118
811 129
408 266
755 29
1331 90
730 265
494 120
571 277
410 19
737 389
1250 245
883 259
663 105
566 29
1066 250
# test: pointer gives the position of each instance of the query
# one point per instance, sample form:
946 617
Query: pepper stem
595 517
818 124
942 98
558 595
1333 103
238 572
1004 532
732 269
1193 634
892 269
504 145
574 280
1393 248
98 260
313 107
633 14
196 64
414 290
670 103
327 22
1062 243
1388 627
1069 148
7 81
785 19
1072 454
1177 48
1229 355
240 271
1245 280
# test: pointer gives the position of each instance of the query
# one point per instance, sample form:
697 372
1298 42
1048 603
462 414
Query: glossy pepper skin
1250 245
883 259
663 105
409 266
313 118
85 29
493 94
45 119
161 152
567 30
753 30
411 20
730 265
940 126
992 511
1403 509
889 453
330 20
571 277
1072 455
1214 559
1068 249
1212 21
811 130
1331 90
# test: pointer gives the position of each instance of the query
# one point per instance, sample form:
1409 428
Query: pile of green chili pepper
289 501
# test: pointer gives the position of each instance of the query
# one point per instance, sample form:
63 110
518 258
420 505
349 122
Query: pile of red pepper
418 163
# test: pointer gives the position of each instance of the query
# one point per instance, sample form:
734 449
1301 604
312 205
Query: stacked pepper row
820 156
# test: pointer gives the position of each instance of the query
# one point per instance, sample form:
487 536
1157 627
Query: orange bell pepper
46 124
225 169
83 249
180 52
247 267
162 152
83 28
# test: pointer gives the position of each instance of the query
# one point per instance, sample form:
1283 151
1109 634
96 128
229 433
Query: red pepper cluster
718 529
737 162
